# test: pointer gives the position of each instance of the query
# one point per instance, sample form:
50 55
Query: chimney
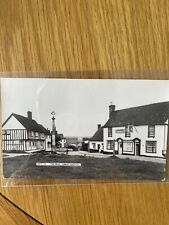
111 109
98 126
29 113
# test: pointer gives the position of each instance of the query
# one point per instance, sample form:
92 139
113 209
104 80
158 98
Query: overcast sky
79 104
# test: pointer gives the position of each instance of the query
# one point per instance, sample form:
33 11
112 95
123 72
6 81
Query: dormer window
151 131
109 131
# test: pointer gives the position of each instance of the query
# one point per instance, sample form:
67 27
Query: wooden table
128 36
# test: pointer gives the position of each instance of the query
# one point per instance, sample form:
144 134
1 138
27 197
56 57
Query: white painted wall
96 145
13 123
36 146
141 132
63 142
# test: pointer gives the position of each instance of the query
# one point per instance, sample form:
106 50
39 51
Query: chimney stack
29 114
111 109
98 126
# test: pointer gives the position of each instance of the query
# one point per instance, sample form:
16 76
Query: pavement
101 155
142 158
90 154
12 155
95 155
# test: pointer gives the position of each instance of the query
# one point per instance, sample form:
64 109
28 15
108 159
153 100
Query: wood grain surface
100 36
11 214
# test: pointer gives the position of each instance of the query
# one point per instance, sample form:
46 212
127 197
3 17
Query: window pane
151 131
127 131
151 146
110 132
110 145
127 146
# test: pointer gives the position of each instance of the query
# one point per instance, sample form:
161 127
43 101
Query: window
93 145
127 131
151 131
151 146
42 136
128 147
109 131
110 145
6 132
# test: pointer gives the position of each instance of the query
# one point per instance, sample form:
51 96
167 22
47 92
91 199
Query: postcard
84 128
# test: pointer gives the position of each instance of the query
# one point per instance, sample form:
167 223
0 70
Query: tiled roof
29 124
98 136
45 131
153 114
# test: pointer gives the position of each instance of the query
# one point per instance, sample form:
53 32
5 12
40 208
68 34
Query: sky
79 104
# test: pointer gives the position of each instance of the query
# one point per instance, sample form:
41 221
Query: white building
62 141
140 131
21 133
96 141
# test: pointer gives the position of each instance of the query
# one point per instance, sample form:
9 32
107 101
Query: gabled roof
98 136
153 114
45 131
28 123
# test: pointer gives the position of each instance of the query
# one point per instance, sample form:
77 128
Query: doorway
120 147
137 148
98 147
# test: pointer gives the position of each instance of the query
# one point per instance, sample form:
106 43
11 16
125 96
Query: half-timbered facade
21 133
140 131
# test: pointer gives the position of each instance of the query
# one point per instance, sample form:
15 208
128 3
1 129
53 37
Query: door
137 148
98 147
120 147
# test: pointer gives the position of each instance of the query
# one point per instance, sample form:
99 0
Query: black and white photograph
84 128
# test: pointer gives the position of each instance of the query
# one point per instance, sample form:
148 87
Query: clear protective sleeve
83 131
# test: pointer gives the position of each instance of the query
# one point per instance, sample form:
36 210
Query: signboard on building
119 131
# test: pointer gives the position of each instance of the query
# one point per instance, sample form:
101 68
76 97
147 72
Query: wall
63 142
13 123
141 132
38 145
96 145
